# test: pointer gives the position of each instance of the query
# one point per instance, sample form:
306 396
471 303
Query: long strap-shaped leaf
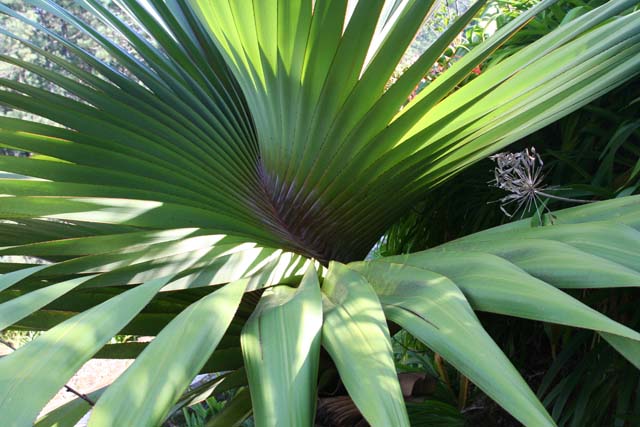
18 308
234 412
145 393
98 244
281 349
434 310
39 369
591 246
70 413
583 251
9 279
355 330
623 210
126 262
560 255
492 284
151 214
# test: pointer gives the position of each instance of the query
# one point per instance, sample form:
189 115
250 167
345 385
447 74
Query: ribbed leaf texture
229 147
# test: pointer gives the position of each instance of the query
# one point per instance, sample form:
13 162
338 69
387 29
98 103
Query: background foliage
592 154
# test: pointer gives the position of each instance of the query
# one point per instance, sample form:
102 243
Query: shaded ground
95 374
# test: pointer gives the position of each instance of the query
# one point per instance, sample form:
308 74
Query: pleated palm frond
219 187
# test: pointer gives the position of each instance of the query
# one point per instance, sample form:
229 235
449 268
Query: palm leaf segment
236 142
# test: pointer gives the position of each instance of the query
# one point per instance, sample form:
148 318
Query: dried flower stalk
520 174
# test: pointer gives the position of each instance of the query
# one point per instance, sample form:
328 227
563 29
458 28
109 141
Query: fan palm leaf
243 146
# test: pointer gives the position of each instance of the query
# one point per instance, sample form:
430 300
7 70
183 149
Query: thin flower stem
564 199
68 388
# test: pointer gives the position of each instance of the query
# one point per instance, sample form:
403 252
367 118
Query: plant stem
563 199
68 388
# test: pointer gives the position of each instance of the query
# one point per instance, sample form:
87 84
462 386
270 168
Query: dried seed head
520 174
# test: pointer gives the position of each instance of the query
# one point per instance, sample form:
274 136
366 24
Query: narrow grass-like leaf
281 349
9 279
434 310
143 395
67 346
234 412
354 330
18 308
70 413
493 285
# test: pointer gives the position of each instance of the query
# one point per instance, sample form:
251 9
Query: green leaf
514 269
623 210
144 394
355 330
70 413
494 285
218 384
234 412
281 349
433 309
9 279
67 346
629 348
560 254
269 121
20 307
